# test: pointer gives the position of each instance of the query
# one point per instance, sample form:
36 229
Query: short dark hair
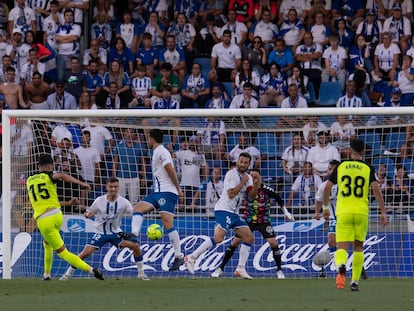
157 135
246 155
112 179
357 145
45 159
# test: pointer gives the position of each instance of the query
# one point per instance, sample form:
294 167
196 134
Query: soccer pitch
205 294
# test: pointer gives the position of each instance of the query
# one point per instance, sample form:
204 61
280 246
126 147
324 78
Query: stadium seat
329 93
389 163
267 144
228 87
268 121
373 143
269 170
394 141
232 139
311 90
205 65
409 165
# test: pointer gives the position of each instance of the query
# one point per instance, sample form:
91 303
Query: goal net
205 143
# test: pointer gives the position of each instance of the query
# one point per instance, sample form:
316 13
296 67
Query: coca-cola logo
295 257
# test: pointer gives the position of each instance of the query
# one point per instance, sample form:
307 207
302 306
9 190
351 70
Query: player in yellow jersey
354 179
47 213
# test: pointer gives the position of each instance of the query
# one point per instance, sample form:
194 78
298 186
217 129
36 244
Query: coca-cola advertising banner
387 254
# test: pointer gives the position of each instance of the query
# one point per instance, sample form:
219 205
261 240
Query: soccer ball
155 232
322 258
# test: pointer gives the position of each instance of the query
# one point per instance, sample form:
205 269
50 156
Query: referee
354 178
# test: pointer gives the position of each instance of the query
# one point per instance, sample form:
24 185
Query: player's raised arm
71 179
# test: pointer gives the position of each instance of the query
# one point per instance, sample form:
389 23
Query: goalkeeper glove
288 215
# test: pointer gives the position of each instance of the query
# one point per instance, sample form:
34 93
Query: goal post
389 252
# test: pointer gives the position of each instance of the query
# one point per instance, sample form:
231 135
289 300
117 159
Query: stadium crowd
235 54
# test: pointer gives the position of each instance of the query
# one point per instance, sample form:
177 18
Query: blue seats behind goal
205 65
394 141
329 93
373 143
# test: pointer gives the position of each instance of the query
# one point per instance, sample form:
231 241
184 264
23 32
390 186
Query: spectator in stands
386 58
322 153
194 171
129 164
96 53
404 80
345 35
320 31
272 87
42 52
335 58
287 5
75 82
380 8
92 79
213 8
123 55
61 99
218 100
141 87
360 56
406 7
282 56
212 137
214 190
316 9
399 28
128 30
166 77
225 59
147 55
246 74
103 6
265 29
308 55
257 56
32 66
160 7
195 90
116 74
109 99
351 11
292 30
293 158
362 83
166 101
18 50
89 159
207 37
190 8
101 30
185 34
349 100
21 141
342 132
294 100
175 56
37 92
12 91
244 146
306 185
59 134
51 24
407 148
371 28
302 83
262 5
21 17
238 30
244 10
400 188
67 38
156 29
79 7
244 100
310 130
383 181
86 102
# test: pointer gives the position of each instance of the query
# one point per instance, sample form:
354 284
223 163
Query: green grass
205 294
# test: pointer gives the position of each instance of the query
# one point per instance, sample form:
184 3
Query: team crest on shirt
161 202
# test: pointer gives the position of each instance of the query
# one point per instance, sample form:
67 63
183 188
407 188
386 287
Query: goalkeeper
43 197
256 214
108 210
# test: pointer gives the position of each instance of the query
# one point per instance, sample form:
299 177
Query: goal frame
7 115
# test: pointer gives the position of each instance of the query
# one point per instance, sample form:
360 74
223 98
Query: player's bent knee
60 249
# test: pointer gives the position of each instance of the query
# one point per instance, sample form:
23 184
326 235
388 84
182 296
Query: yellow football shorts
351 227
49 227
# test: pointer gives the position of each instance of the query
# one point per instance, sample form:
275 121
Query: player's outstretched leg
77 262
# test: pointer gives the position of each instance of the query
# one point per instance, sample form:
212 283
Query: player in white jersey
108 211
166 190
237 183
